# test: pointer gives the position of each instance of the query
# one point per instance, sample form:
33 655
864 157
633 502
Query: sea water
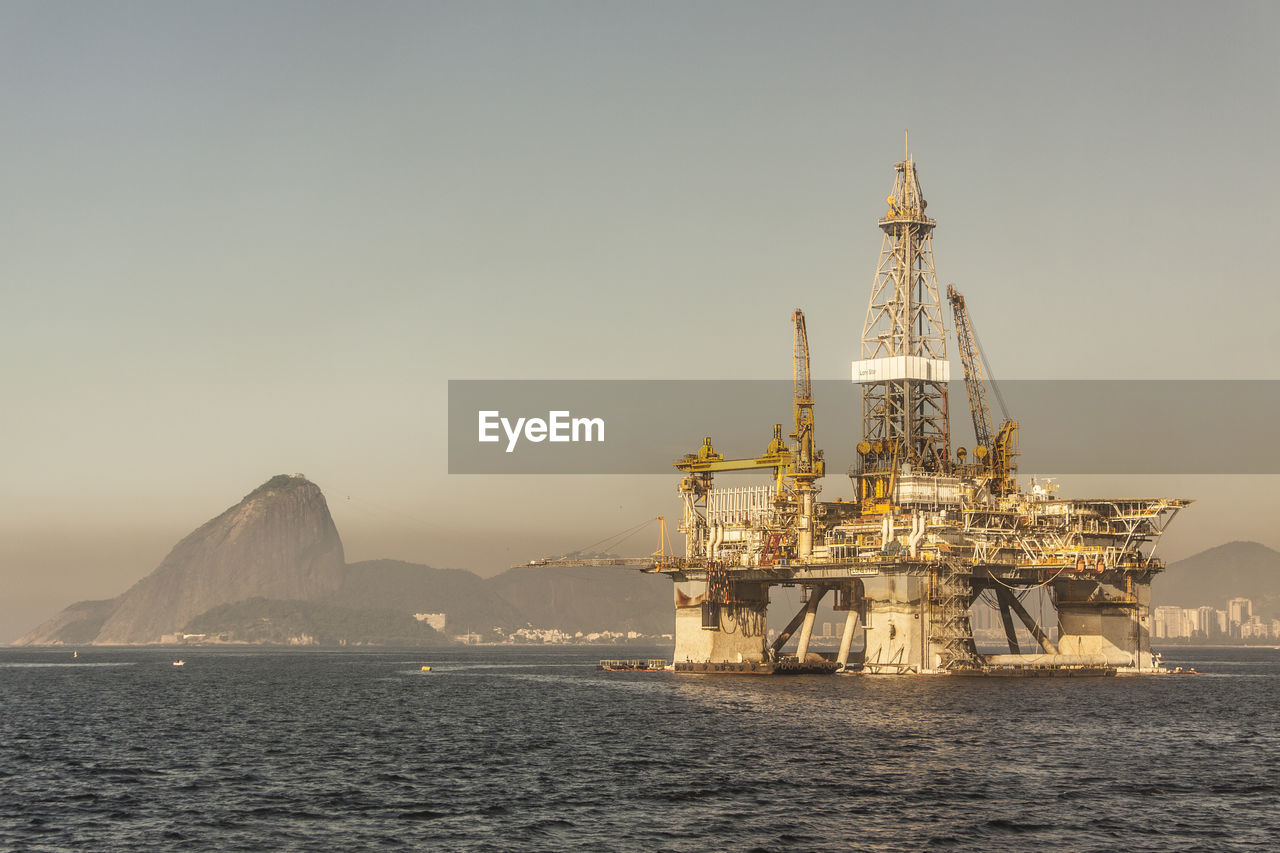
517 748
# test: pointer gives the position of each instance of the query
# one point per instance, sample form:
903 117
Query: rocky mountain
79 624
1234 570
279 542
271 570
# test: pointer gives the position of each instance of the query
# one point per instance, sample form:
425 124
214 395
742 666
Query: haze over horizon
246 240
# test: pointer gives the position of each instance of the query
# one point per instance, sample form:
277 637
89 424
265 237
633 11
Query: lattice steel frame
904 317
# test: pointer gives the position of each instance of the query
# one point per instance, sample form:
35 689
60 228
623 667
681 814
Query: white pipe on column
918 526
804 537
690 526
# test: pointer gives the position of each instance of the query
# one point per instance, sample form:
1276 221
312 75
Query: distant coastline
1210 644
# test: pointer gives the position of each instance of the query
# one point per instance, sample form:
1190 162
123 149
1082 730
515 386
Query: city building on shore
1237 622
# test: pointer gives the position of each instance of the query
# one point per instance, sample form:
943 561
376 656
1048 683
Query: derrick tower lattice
904 346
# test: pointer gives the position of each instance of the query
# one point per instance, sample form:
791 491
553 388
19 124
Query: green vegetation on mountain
272 622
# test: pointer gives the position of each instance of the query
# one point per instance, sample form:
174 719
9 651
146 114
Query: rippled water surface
501 749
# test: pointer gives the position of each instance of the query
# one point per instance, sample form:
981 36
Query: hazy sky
242 239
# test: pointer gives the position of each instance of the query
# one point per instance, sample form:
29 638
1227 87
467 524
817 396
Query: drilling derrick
903 369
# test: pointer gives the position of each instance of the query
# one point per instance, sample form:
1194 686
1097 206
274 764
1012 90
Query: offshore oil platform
929 532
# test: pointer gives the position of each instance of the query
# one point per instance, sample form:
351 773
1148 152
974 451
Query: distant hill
588 598
79 624
466 599
273 622
1234 570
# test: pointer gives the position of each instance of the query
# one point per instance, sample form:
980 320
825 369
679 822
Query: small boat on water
650 665
179 662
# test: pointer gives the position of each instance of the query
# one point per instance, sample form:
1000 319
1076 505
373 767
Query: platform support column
1010 632
810 614
846 639
1041 637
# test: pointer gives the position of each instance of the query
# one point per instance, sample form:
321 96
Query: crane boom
809 465
995 449
803 400
973 379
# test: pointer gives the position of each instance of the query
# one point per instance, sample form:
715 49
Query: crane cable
1004 410
625 534
1026 589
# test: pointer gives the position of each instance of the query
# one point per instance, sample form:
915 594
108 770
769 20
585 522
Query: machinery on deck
758 525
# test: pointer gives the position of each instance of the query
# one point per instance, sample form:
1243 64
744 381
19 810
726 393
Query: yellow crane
804 464
803 398
996 449
809 465
800 466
